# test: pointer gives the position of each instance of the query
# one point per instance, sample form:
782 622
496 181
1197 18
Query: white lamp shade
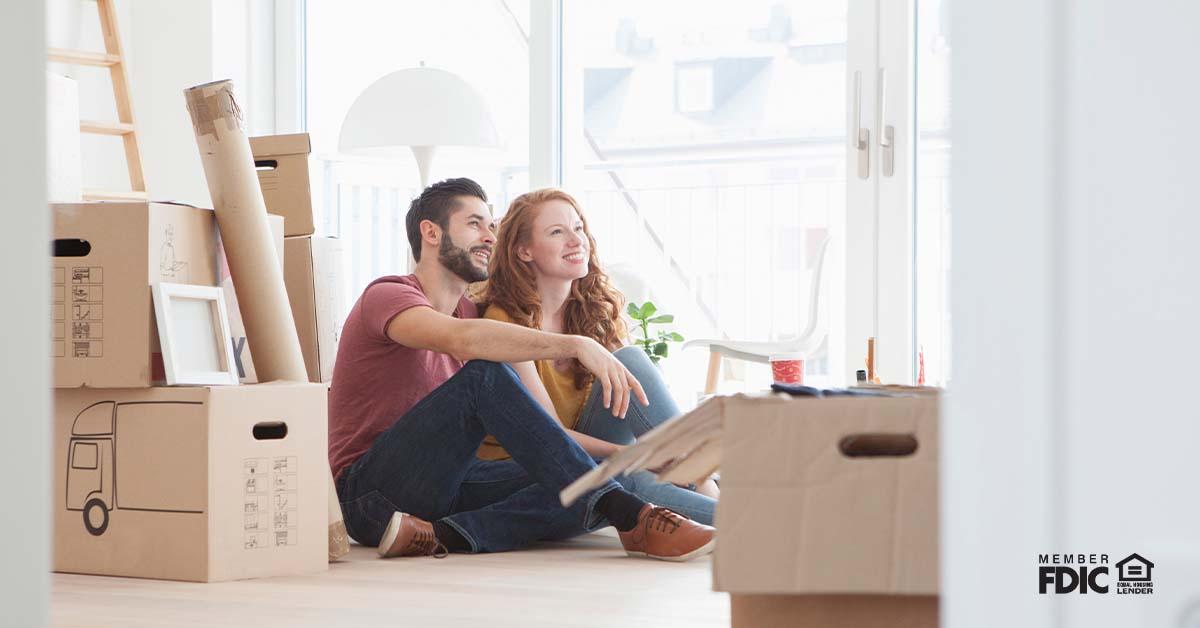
416 107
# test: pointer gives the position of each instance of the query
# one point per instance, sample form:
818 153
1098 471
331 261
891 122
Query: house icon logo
1134 568
1133 576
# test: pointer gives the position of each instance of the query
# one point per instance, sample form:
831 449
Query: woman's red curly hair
593 307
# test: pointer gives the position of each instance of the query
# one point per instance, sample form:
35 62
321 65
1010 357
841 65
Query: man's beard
459 261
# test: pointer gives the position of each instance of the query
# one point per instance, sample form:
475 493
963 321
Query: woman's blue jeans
597 421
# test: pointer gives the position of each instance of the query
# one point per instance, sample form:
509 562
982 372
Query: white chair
809 342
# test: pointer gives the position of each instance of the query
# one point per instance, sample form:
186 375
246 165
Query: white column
289 69
1000 427
25 361
1129 299
1072 420
545 111
260 67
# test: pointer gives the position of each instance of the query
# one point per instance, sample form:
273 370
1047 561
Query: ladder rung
109 195
105 128
83 57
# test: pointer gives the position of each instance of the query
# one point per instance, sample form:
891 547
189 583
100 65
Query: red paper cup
787 368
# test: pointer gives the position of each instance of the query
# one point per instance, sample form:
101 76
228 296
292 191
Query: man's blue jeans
596 420
425 465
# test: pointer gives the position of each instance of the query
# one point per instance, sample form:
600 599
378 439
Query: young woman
545 274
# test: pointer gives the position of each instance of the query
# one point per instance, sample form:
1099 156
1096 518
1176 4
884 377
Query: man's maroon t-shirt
375 379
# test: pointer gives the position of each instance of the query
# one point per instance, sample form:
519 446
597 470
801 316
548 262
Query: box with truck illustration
202 484
106 257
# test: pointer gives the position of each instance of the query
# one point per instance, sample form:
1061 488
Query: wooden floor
585 582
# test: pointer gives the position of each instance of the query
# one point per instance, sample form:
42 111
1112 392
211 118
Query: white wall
1131 299
25 358
172 43
1071 425
74 24
181 44
170 46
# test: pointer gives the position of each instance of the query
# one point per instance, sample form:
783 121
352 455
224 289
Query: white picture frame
193 331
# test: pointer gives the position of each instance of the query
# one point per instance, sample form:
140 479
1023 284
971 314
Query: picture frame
193 331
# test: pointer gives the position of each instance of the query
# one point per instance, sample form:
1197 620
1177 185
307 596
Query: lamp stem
424 157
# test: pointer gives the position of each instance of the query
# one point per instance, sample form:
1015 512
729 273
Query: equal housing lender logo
1089 573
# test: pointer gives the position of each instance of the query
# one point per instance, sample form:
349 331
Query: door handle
861 138
887 134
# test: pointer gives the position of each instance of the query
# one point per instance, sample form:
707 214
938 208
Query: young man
420 380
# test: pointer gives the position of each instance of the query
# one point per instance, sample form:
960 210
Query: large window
713 146
711 162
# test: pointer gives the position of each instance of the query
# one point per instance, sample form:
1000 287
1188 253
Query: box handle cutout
269 430
265 164
72 247
878 445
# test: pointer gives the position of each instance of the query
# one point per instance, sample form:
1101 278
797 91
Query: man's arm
471 339
477 338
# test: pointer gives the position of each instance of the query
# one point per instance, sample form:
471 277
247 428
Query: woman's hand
617 382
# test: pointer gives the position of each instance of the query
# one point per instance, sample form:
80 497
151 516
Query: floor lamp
420 109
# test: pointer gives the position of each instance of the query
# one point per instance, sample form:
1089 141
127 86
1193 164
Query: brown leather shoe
663 534
407 535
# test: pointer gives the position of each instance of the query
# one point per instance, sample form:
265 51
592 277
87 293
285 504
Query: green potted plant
656 346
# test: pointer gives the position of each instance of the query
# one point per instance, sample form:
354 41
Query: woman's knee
651 379
636 360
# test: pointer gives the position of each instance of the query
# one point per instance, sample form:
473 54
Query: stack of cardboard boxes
312 265
185 483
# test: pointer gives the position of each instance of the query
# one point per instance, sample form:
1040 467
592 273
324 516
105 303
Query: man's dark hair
436 203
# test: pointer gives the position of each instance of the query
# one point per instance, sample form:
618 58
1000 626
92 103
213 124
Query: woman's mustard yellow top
568 401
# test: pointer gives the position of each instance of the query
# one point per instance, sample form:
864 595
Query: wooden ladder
112 58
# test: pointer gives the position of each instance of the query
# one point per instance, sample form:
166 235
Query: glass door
707 143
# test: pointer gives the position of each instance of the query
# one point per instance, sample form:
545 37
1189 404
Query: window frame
880 227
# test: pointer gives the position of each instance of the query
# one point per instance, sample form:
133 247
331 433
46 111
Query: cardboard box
833 611
200 484
282 164
242 353
313 274
829 511
106 257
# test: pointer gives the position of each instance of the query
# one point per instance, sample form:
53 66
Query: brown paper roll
242 216
246 233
